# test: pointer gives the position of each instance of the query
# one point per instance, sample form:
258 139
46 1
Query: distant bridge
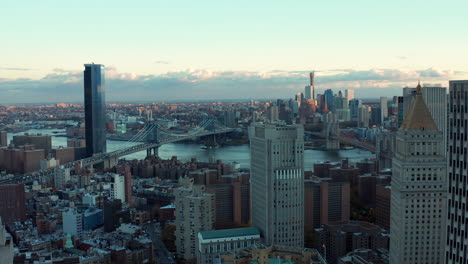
154 137
346 140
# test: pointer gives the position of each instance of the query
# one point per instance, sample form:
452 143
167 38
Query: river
240 154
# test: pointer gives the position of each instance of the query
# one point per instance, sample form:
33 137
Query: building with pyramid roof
419 189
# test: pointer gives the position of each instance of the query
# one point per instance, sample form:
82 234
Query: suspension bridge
343 139
149 138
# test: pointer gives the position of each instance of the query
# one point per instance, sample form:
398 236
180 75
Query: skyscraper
349 94
419 189
277 182
456 249
3 139
310 89
354 105
383 109
401 115
329 99
95 109
363 116
341 107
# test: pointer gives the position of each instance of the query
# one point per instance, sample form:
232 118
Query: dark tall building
456 251
12 203
95 109
3 139
312 85
114 215
376 116
401 116
329 100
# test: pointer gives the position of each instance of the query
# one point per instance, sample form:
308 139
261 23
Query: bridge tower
331 130
152 137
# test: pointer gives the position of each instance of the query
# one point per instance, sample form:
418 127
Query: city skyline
165 52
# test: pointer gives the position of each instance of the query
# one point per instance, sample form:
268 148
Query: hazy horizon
204 50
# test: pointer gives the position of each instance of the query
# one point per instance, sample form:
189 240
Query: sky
202 50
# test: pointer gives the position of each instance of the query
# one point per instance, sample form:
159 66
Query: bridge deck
99 158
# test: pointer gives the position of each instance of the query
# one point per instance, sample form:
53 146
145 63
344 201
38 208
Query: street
161 254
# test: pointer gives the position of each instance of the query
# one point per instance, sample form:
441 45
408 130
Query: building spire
418 88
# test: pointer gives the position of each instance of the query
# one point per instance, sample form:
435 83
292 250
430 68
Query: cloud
63 85
402 57
434 73
161 62
15 69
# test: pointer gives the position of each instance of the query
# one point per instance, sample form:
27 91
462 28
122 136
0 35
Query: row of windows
424 186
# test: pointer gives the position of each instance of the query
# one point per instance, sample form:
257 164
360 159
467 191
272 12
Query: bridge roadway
347 140
98 158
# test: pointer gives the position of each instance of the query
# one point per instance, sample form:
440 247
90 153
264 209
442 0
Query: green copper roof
234 232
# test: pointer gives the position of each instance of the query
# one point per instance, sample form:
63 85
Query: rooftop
418 116
234 232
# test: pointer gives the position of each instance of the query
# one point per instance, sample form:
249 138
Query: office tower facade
401 113
72 222
436 101
456 250
325 201
194 213
383 109
383 195
320 102
95 109
273 113
329 100
376 116
3 139
349 94
277 182
354 105
12 203
223 204
308 92
419 189
229 118
363 116
341 107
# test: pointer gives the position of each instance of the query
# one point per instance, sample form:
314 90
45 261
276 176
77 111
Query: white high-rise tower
309 90
419 189
277 182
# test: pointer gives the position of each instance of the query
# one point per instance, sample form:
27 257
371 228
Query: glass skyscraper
95 109
329 100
